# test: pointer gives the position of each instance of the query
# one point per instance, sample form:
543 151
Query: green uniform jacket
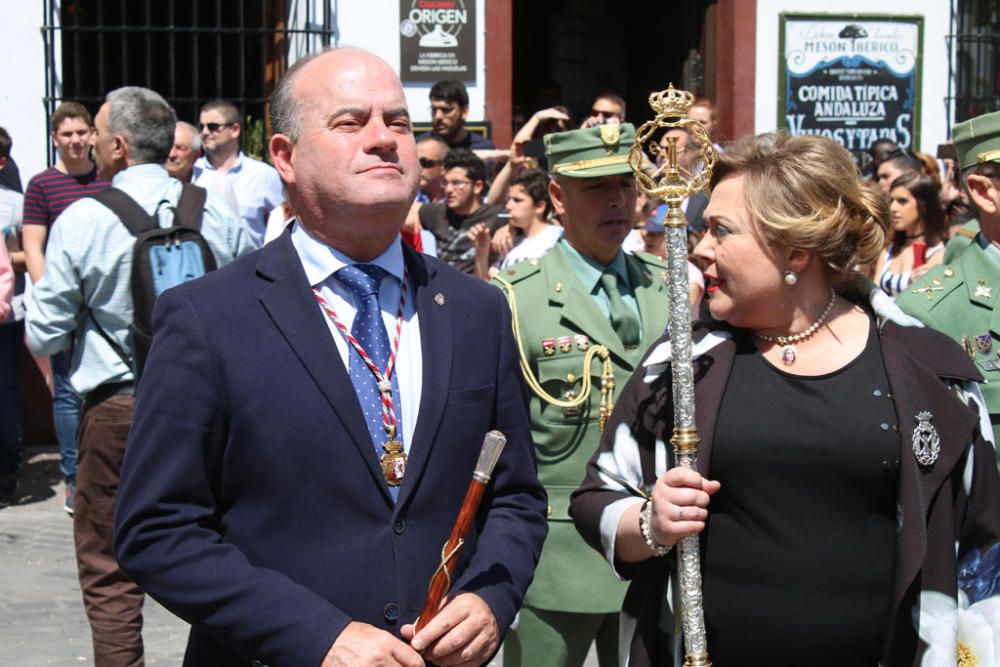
961 299
551 304
961 239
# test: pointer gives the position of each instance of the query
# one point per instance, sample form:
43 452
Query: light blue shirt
320 262
254 185
589 273
88 264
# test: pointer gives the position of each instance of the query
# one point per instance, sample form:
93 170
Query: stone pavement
42 623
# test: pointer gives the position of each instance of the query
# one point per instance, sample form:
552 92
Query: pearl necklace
788 352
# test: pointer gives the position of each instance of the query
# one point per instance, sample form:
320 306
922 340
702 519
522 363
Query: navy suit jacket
251 501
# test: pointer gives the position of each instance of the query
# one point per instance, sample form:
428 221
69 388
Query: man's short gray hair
146 121
286 117
195 134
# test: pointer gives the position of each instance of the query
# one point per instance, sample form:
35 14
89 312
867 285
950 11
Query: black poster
437 40
854 79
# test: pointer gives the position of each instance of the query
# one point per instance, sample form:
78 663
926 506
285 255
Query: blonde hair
804 193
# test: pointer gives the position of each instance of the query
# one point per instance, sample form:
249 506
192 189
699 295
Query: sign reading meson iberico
854 79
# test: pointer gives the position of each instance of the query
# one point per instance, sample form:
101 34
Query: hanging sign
852 78
437 40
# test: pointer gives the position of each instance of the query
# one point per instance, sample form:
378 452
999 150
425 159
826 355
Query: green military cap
591 152
978 140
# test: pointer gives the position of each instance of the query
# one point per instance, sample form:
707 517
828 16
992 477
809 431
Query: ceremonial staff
493 444
673 184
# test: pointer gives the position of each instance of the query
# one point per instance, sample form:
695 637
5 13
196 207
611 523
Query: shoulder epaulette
515 273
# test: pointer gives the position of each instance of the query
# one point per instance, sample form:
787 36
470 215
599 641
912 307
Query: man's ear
236 129
119 148
556 195
984 193
282 157
477 187
465 112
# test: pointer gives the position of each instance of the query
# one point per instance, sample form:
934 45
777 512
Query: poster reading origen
854 79
437 40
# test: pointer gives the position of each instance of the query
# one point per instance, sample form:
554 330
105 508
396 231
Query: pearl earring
791 278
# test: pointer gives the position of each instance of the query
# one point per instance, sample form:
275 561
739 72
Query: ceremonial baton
673 184
441 581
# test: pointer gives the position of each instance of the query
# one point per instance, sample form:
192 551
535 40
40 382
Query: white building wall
374 25
22 85
934 75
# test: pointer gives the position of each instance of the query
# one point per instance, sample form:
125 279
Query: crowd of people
336 331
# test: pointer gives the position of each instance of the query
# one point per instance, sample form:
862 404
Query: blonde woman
843 478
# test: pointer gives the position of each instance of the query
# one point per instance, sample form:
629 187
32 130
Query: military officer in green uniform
962 298
583 315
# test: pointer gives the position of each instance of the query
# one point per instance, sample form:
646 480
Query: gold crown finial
671 102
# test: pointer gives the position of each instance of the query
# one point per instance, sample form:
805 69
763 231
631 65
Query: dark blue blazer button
399 526
391 612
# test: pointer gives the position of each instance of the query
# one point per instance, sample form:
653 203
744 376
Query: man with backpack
108 258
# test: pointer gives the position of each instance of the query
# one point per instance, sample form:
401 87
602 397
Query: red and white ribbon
383 378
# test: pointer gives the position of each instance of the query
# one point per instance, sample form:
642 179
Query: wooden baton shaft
442 577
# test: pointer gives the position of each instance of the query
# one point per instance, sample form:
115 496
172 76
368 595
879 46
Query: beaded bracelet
647 532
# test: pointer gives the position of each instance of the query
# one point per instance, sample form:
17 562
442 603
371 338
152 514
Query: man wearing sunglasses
251 185
607 108
431 151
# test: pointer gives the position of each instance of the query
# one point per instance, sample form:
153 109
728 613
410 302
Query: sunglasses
428 163
213 127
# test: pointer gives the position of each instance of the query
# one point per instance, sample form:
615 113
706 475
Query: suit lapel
578 308
289 302
437 345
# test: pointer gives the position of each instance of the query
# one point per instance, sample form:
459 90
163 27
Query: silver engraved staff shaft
673 184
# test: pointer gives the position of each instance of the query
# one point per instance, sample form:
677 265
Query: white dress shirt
320 262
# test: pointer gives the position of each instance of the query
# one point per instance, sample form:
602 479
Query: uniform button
399 526
548 511
391 612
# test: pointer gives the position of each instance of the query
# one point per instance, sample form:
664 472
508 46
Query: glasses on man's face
458 185
213 127
428 163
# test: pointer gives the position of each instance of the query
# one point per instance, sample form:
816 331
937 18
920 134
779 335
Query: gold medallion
393 463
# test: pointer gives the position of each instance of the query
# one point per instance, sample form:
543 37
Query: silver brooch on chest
926 441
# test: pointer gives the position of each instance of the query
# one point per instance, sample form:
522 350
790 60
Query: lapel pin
984 290
439 299
926 441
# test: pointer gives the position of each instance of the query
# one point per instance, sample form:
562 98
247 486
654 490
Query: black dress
799 544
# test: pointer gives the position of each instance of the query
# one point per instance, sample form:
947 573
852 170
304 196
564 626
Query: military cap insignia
610 135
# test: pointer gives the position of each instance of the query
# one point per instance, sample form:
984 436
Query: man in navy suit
252 500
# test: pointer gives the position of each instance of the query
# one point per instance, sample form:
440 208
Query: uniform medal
393 461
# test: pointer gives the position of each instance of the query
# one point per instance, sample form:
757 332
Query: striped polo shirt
50 192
